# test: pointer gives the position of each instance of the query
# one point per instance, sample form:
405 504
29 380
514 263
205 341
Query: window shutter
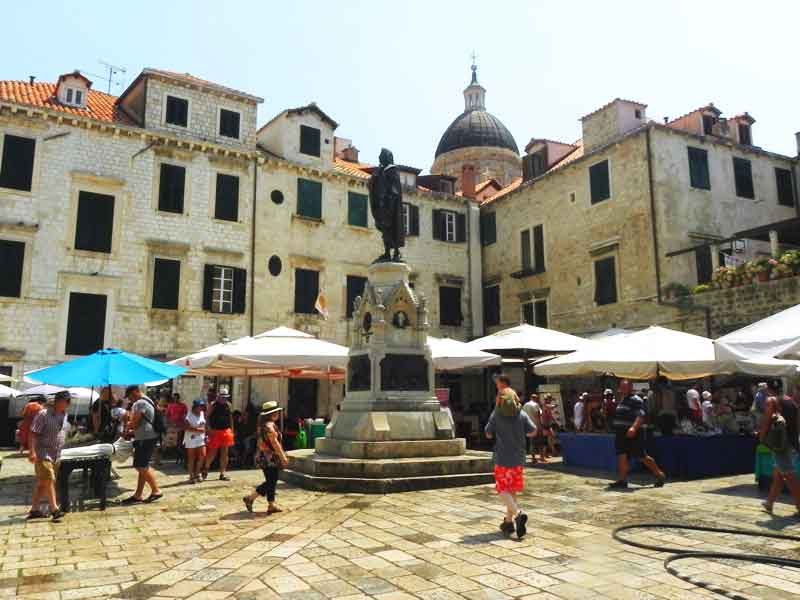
525 249
491 305
743 176
309 140
355 288
698 169
414 219
177 111
450 306
229 123
239 290
540 310
16 170
309 198
306 290
461 227
12 260
86 323
226 206
357 209
527 314
538 249
599 182
95 223
605 288
208 286
166 283
702 258
783 179
488 228
439 227
171 188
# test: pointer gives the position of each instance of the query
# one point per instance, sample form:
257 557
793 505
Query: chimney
350 154
31 78
797 141
468 181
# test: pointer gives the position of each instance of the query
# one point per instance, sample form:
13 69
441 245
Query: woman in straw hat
269 456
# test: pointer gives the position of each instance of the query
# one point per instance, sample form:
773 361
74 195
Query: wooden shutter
357 209
355 288
12 260
461 227
743 176
306 290
540 313
226 206
491 305
309 198
708 124
605 281
309 140
744 134
599 182
413 219
702 257
86 323
208 286
177 111
488 228
525 249
783 179
166 283
527 314
239 290
538 249
95 223
439 226
698 169
16 169
229 123
171 188
450 305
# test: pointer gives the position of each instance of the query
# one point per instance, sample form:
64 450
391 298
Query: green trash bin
315 430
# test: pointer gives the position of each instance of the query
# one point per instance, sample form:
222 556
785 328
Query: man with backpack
146 425
774 434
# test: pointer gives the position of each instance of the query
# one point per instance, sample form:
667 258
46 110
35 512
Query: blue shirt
509 434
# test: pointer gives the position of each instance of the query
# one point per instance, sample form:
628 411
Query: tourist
175 415
759 401
119 416
580 407
774 435
34 406
48 434
195 440
707 408
102 421
789 410
219 421
629 438
269 456
141 427
549 425
509 426
609 407
693 404
533 409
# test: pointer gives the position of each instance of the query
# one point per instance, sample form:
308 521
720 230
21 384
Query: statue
386 202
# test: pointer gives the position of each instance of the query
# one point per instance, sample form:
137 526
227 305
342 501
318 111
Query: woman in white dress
194 440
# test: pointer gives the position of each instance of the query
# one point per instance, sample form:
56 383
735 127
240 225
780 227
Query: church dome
476 127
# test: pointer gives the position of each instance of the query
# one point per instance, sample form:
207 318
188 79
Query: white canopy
7 392
614 332
532 339
777 336
452 355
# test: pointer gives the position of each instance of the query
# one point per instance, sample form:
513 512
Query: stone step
383 486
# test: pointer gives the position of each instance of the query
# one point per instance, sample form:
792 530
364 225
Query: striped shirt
49 428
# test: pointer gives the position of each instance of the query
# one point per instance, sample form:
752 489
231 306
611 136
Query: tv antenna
113 76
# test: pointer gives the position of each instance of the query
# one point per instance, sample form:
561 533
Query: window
69 95
276 196
355 288
309 199
12 258
86 323
16 172
698 169
171 188
491 305
449 226
535 313
743 176
229 123
708 124
357 209
488 228
605 281
637 113
166 283
74 97
702 259
177 111
411 219
274 265
534 165
224 289
744 135
450 306
306 291
226 206
599 182
783 178
95 224
532 250
309 140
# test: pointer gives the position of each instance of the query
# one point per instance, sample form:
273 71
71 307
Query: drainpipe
659 298
253 266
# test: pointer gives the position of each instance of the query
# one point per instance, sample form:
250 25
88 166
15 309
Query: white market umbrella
7 392
777 336
452 355
7 378
608 334
531 339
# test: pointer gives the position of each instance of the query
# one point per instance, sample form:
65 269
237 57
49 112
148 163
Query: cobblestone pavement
438 545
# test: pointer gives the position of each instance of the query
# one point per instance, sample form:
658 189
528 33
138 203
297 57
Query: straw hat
270 407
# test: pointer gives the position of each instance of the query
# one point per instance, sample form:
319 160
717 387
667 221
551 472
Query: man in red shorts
509 426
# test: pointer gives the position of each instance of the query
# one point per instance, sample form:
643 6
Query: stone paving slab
199 543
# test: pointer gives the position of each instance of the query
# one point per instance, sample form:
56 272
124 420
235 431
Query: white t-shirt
195 439
118 414
708 411
579 414
532 409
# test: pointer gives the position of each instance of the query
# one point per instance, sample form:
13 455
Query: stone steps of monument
383 486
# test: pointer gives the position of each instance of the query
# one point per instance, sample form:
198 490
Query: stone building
588 229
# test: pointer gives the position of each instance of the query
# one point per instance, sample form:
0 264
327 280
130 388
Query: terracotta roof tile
99 106
710 106
509 188
356 170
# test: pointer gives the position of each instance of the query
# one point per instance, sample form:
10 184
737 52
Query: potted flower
760 268
792 260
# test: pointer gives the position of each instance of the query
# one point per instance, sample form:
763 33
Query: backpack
777 438
158 423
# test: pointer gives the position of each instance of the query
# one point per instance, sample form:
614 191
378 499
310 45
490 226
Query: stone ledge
390 449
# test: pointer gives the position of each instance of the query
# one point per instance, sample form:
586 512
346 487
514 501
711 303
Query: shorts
784 462
45 471
508 479
632 447
143 452
220 438
194 439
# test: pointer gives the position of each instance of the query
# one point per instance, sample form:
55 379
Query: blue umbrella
107 367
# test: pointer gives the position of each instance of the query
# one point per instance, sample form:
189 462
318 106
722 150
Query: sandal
274 510
248 503
154 497
223 477
132 500
35 514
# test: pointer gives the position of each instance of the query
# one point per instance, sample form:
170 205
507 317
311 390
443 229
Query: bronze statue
386 202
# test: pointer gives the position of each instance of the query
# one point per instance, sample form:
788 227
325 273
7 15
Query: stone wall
498 163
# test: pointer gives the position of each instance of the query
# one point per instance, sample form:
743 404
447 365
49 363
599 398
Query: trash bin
315 430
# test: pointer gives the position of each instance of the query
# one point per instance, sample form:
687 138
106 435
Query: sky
392 74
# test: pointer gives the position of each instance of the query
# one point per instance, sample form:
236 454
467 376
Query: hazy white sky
392 73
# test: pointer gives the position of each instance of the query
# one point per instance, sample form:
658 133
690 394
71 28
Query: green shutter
599 182
783 179
356 209
309 198
743 178
698 169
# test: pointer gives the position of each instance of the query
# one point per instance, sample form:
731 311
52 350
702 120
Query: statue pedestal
391 433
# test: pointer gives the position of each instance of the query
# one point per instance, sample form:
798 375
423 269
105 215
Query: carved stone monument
391 433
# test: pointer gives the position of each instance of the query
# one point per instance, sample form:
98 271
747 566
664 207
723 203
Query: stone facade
489 163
